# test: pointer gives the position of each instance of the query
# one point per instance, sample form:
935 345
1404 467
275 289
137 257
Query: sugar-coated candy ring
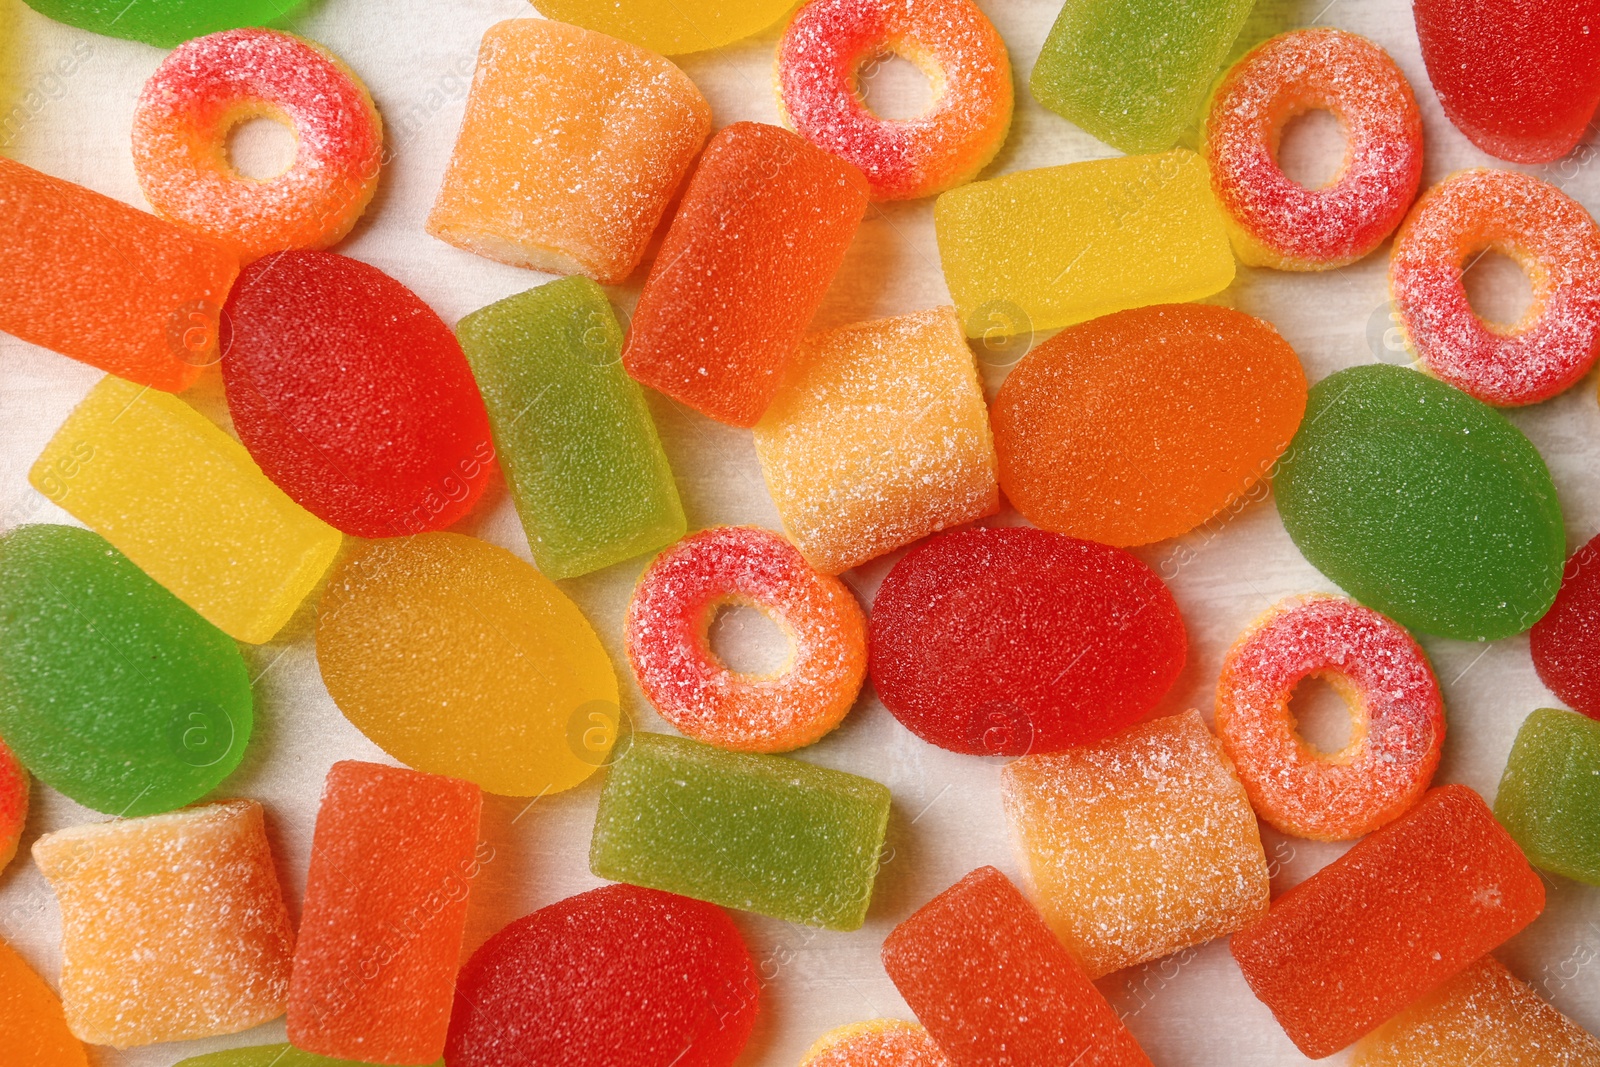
675 603
819 63
1396 717
879 1043
210 85
1275 221
1554 240
13 804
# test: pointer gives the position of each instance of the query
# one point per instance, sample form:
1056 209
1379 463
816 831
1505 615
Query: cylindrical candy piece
1566 642
167 23
32 1027
879 1043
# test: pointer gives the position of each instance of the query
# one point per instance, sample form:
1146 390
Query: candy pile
366 429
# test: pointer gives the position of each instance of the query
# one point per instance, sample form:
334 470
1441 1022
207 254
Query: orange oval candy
1141 425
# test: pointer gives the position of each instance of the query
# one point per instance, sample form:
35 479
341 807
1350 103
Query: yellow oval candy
671 27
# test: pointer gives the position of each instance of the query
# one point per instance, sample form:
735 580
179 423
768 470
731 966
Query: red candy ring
1397 717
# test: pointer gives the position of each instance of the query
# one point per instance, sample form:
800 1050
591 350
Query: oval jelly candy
167 23
1566 642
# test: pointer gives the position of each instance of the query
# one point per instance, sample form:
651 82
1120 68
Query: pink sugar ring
1396 717
1273 220
673 606
820 59
1554 240
13 804
210 85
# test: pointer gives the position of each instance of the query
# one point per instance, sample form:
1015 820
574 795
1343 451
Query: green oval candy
112 690
164 23
1423 503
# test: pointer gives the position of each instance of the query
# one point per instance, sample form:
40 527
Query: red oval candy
1566 642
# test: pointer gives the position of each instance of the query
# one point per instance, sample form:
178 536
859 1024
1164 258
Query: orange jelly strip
32 1026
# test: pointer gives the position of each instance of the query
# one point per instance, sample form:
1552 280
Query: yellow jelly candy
187 504
1050 247
670 27
32 1026
172 926
457 658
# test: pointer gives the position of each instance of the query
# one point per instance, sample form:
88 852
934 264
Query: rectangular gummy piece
766 834
1134 73
1409 907
1140 845
572 431
994 986
1549 797
392 860
187 504
108 284
33 1028
1051 247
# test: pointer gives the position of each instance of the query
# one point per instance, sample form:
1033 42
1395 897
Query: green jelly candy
572 430
165 23
1423 503
1549 797
766 834
112 690
270 1056
1134 73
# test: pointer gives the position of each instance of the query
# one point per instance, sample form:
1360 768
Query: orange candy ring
879 1043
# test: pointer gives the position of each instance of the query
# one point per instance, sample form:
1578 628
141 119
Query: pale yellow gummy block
187 504
1050 247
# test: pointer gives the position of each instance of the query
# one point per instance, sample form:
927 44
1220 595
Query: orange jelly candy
32 1026
108 284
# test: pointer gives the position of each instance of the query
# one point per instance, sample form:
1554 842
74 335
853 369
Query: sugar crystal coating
167 23
32 1026
670 27
879 1043
1566 642
13 802
1549 798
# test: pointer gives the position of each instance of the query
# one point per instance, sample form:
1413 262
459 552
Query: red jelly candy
1520 78
1566 642
1011 640
353 396
619 976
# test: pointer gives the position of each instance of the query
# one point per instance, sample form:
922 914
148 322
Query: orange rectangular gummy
392 857
1410 906
108 284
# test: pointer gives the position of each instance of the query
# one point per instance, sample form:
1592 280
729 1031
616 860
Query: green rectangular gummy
1549 797
759 833
1134 73
571 429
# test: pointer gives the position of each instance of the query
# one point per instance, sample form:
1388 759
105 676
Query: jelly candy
1520 79
1483 1017
316 332
457 658
392 860
1566 642
1013 640
766 834
1138 846
13 778
271 1056
32 1026
1050 247
1134 74
107 284
1549 798
996 989
172 926
1423 504
1141 425
762 229
112 691
670 27
616 977
571 429
1410 906
878 436
187 504
670 615
166 23
879 1043
572 146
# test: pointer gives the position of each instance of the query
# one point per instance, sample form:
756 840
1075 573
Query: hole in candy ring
1312 147
1498 289
1323 709
749 641
262 146
894 87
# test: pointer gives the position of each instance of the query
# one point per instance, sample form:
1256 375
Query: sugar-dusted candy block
1054 246
1410 906
13 801
458 658
271 1056
108 284
112 690
167 23
760 833
33 1028
392 860
879 1043
187 504
172 926
670 27
996 988
572 146
1483 1017
616 977
1549 798
1134 72
1140 845
762 229
878 436
572 431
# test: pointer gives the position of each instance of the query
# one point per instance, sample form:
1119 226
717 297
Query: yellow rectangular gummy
1058 245
188 505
